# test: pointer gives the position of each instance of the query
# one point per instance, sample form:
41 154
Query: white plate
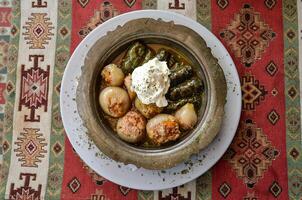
128 175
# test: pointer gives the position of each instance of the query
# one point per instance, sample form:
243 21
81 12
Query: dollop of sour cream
151 82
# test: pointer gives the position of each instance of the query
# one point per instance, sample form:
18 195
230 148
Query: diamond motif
223 4
247 35
124 190
10 87
274 92
83 3
252 32
273 117
291 61
294 153
271 68
249 153
250 161
242 160
64 31
242 144
57 148
256 145
225 189
275 189
291 34
252 92
14 30
38 30
130 3
292 92
31 147
5 146
74 185
270 3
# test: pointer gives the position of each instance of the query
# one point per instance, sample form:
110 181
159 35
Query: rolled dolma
180 73
174 105
185 89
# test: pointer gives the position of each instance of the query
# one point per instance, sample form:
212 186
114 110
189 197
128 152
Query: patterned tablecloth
36 40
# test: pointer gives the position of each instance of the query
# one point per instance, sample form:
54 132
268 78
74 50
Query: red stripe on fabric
84 18
276 134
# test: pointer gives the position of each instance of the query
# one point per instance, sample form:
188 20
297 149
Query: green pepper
185 89
134 57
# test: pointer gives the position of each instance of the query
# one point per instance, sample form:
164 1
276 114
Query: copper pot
185 41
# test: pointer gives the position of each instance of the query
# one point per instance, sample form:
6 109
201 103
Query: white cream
151 82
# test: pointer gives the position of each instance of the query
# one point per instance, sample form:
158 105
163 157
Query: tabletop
264 38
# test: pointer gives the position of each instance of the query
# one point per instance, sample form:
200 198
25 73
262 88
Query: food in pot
148 110
137 54
164 55
163 128
128 83
185 89
151 82
174 105
113 75
180 73
114 101
132 127
186 116
150 96
149 55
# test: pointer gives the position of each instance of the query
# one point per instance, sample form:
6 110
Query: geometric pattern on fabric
251 153
247 35
25 192
38 31
252 92
261 68
34 88
105 12
31 147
